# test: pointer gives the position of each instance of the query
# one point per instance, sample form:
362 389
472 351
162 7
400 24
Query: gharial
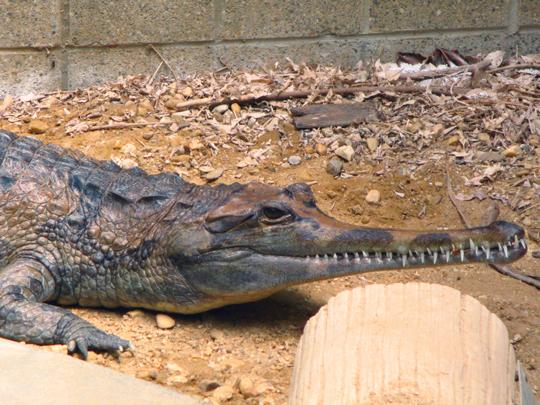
74 230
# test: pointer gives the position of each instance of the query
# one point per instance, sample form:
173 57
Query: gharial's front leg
24 285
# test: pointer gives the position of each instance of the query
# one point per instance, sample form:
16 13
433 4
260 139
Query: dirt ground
256 342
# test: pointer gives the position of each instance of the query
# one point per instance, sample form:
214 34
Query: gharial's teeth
389 255
516 241
365 254
325 256
500 247
422 257
317 257
476 250
435 254
335 256
472 244
356 255
462 255
505 248
346 256
447 254
404 260
522 241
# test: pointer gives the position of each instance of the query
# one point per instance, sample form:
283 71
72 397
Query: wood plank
403 344
327 115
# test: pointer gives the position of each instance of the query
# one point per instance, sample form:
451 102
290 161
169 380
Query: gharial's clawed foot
91 338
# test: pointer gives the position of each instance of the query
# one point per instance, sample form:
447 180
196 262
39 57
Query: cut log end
401 344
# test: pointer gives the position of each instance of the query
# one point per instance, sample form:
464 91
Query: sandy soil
256 342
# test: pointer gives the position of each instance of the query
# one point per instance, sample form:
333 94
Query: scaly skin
78 231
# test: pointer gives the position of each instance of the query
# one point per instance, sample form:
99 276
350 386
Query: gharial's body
78 231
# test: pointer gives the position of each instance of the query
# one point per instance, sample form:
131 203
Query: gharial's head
264 238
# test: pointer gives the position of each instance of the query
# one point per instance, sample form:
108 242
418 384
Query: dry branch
430 74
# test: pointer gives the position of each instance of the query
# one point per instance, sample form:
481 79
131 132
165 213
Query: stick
280 96
506 270
512 67
151 79
430 74
164 61
122 125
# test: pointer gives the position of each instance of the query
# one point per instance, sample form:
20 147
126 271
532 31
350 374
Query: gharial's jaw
241 273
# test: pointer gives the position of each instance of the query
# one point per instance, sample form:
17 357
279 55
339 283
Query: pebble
208 385
216 334
187 92
345 152
321 149
38 127
489 157
136 313
373 196
164 321
145 107
235 108
294 160
214 174
148 136
128 149
223 393
372 144
484 137
220 109
334 166
512 151
246 386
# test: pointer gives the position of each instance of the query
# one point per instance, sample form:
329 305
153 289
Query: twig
122 125
285 95
164 61
506 270
151 79
516 67
430 74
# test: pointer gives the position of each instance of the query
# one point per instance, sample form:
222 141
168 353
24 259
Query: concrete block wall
65 44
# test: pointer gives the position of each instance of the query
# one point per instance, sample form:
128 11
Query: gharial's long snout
368 249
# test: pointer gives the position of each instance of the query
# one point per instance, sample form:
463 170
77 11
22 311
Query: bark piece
328 115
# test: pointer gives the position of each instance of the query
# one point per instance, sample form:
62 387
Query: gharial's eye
274 215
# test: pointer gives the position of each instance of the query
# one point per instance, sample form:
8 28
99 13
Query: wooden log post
413 343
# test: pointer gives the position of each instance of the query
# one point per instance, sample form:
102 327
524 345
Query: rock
489 157
128 149
171 103
345 152
334 166
165 321
223 393
28 373
179 118
438 184
124 163
195 144
220 109
512 151
214 174
294 160
38 127
235 108
216 334
246 386
136 313
321 149
373 196
145 107
148 136
356 210
309 149
187 92
372 144
484 137
208 385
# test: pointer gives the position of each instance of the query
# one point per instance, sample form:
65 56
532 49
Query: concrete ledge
32 376
95 66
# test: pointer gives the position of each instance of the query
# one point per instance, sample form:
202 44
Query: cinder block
418 15
529 12
106 22
28 72
29 23
95 66
248 19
